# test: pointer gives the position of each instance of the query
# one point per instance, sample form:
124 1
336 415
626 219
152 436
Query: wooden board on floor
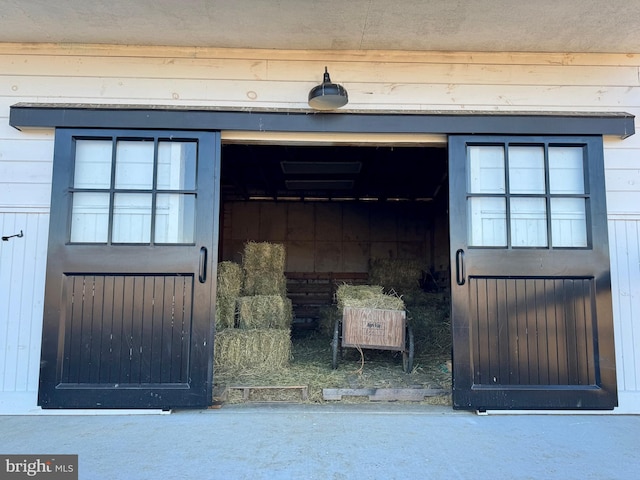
383 394
272 390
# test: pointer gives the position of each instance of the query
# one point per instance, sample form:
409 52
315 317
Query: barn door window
133 191
527 196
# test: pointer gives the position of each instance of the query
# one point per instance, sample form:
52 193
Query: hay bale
264 283
227 292
367 296
263 265
264 311
260 257
400 275
347 292
255 351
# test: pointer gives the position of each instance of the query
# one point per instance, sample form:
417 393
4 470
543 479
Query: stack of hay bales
260 339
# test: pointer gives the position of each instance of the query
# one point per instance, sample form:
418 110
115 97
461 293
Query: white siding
22 271
281 79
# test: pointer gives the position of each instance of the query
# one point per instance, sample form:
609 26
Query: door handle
460 275
202 268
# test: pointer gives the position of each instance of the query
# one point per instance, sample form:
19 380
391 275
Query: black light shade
327 95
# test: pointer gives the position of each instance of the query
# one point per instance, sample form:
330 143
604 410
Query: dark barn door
531 300
128 319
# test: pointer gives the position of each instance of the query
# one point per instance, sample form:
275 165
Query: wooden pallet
247 390
383 394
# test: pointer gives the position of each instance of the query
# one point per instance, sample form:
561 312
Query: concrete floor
339 441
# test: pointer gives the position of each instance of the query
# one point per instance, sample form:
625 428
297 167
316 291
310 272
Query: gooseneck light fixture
327 95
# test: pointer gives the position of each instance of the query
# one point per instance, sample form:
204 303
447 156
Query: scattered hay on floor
311 366
264 311
228 290
252 352
397 274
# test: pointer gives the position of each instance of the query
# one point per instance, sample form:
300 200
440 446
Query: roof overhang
589 26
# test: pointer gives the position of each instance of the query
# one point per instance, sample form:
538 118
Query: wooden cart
373 329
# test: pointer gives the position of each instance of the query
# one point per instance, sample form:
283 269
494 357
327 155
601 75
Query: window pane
92 164
528 222
175 218
131 218
90 217
566 170
134 164
486 169
526 169
487 222
177 165
568 222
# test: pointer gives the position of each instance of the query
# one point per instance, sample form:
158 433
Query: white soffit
445 25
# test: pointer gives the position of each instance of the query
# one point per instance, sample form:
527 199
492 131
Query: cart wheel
407 355
335 345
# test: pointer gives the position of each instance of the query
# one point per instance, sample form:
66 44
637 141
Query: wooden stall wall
334 237
254 79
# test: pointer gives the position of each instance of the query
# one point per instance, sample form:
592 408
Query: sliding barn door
129 303
531 300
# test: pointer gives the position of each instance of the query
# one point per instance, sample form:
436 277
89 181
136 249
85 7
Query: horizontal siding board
39 150
621 158
623 203
133 67
629 143
346 71
293 93
25 172
25 194
623 180
490 58
9 133
467 73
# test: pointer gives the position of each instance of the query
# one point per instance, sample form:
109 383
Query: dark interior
336 209
332 172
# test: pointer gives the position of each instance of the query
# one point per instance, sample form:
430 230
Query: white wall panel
22 272
624 237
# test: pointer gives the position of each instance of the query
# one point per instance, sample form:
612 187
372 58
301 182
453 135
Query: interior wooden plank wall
338 237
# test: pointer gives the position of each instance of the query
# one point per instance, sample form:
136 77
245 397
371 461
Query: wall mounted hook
17 235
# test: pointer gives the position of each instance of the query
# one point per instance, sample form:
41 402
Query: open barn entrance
346 214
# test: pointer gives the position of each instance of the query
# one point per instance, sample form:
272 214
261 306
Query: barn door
130 272
531 301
